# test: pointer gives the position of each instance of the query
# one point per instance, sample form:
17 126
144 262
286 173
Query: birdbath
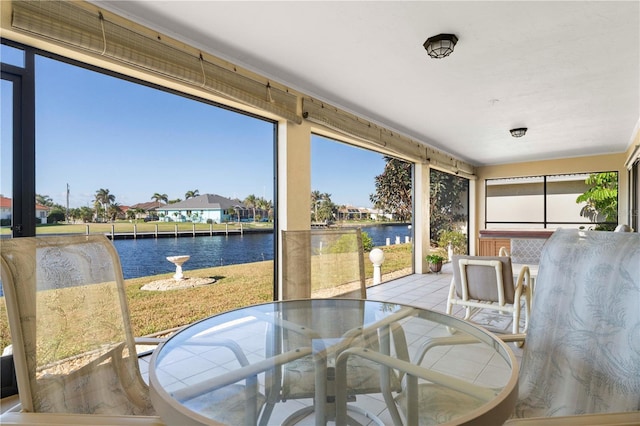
178 261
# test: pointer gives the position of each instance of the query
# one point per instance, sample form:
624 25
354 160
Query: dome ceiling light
440 46
519 132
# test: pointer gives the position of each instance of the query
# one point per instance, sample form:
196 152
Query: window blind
78 28
394 143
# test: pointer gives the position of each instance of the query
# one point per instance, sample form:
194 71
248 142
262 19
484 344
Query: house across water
208 208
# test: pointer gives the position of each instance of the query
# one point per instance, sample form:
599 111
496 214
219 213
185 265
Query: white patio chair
485 282
73 345
581 363
582 353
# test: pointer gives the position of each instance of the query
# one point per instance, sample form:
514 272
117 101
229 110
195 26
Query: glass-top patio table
243 366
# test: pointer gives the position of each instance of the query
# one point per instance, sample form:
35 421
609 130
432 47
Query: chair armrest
508 338
149 340
608 419
27 419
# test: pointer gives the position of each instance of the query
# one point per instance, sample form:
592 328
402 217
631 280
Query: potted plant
435 262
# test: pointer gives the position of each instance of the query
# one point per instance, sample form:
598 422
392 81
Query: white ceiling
569 71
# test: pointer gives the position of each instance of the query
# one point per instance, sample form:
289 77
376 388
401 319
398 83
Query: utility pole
66 216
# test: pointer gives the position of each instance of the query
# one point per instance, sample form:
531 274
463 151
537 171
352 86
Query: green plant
367 242
601 200
457 239
434 258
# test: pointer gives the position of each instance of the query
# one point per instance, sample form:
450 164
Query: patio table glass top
245 366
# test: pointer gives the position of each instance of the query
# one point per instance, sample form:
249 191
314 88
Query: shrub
457 239
347 243
367 242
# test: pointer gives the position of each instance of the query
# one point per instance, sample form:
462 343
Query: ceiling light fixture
440 46
519 132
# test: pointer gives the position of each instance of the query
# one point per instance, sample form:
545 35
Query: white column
422 217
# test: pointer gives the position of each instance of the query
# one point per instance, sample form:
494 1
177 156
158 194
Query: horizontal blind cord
204 75
104 34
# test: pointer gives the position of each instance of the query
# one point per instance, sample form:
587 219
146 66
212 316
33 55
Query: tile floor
425 291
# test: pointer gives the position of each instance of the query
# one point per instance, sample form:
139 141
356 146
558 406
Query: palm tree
102 201
265 205
316 196
251 201
113 210
191 194
157 197
44 200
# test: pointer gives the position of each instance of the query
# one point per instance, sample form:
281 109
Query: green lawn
236 286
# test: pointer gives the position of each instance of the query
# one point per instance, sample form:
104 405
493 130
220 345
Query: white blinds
75 27
394 143
82 27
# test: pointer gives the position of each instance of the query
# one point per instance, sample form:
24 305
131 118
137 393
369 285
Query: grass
236 286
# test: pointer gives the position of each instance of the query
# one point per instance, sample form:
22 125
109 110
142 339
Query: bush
56 216
367 242
347 243
457 239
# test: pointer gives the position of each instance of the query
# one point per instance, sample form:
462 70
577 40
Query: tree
191 194
251 202
316 196
393 189
326 209
601 199
84 213
157 197
113 211
44 200
56 214
238 210
265 205
102 201
445 199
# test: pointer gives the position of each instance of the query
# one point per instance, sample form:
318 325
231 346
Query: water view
147 256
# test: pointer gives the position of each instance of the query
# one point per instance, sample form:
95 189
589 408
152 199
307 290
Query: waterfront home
149 209
206 208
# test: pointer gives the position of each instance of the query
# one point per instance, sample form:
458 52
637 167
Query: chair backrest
321 263
623 228
582 353
72 342
482 280
526 250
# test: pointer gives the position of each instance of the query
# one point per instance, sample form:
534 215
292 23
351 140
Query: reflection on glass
6 150
562 191
12 56
575 200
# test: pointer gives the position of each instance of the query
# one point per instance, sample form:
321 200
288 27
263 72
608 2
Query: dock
176 233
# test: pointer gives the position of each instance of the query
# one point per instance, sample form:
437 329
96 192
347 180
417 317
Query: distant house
379 215
5 210
206 207
150 209
353 213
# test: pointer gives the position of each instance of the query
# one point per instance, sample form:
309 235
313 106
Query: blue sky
95 131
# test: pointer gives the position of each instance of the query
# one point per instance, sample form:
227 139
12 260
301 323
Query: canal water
147 256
